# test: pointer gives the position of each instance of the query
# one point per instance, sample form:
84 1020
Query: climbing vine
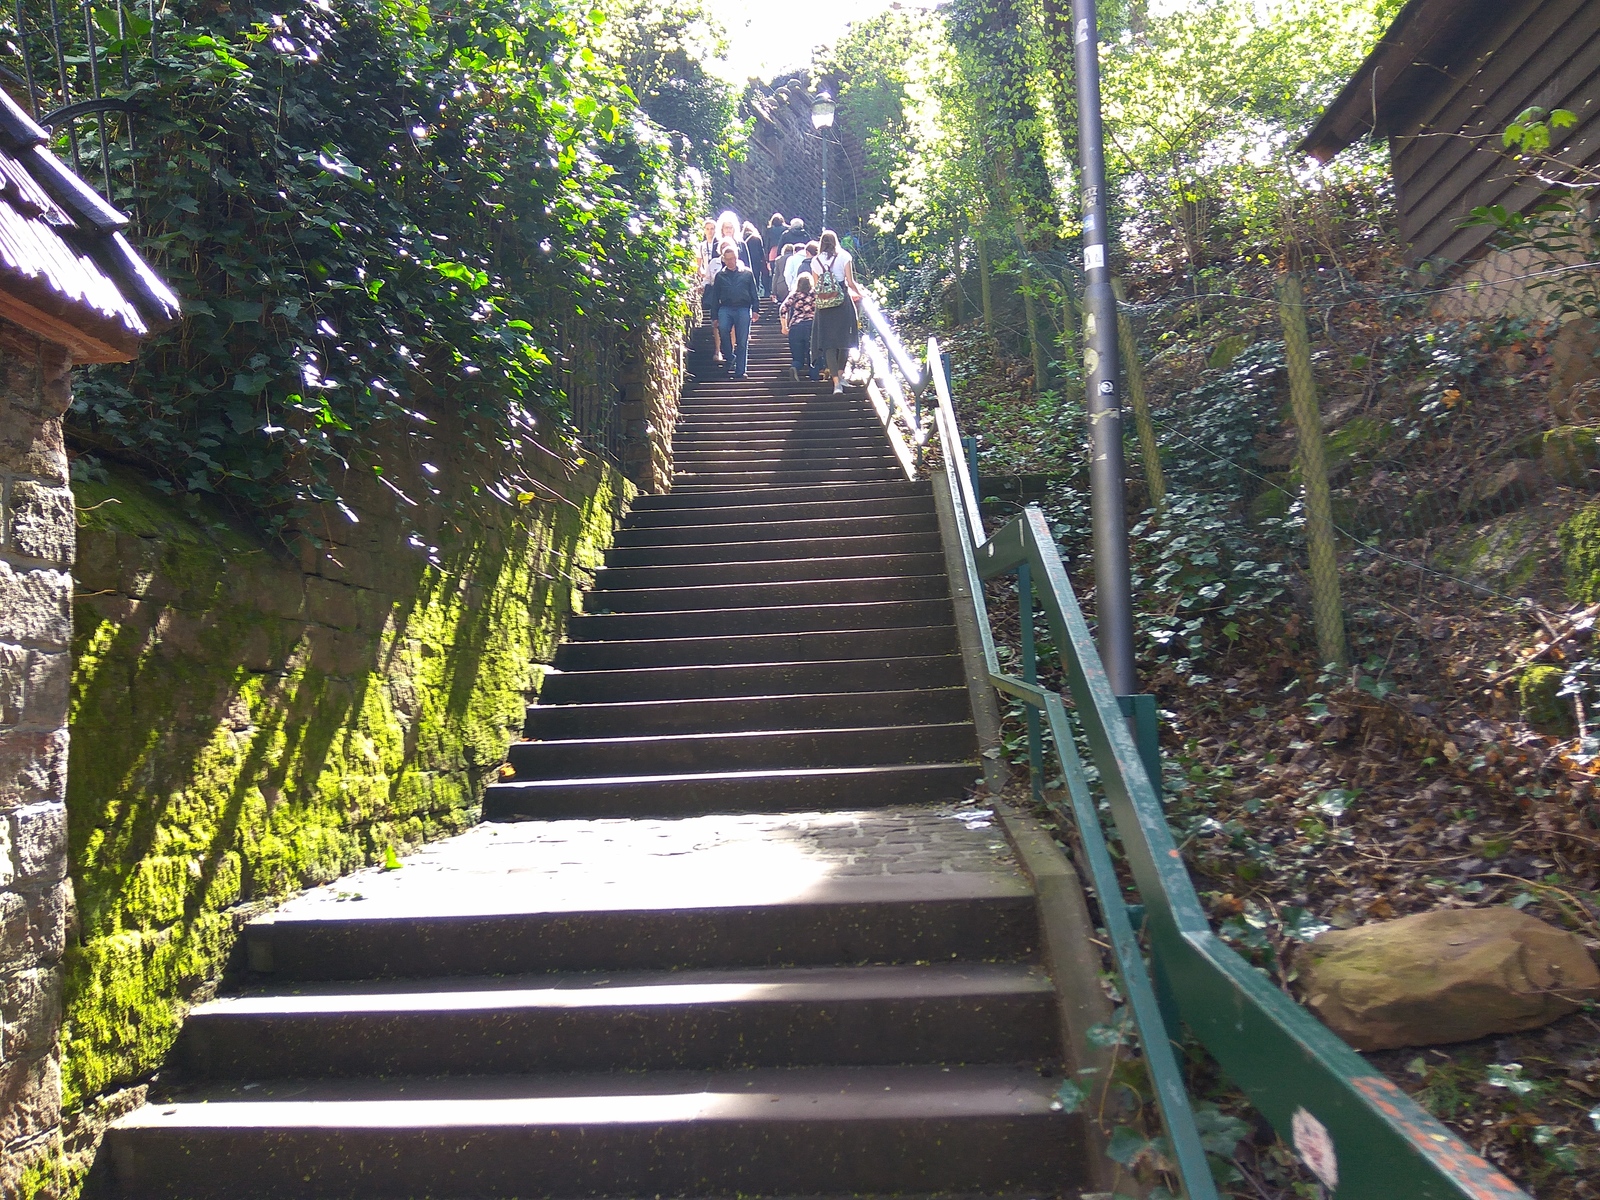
368 207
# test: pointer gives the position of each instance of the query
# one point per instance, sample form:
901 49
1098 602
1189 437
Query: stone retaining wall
36 545
247 719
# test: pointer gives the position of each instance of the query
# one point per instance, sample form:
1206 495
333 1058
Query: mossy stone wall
246 721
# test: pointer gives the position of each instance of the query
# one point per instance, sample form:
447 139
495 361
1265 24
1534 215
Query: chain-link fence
1413 457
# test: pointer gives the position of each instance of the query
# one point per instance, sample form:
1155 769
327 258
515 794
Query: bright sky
767 38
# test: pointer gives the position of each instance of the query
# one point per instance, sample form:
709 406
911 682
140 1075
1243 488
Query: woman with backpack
833 332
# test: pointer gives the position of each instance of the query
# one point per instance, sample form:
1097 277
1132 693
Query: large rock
1574 359
1446 976
1507 487
1571 455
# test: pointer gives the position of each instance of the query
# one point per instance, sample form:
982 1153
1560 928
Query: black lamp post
822 110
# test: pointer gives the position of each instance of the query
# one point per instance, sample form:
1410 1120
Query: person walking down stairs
734 295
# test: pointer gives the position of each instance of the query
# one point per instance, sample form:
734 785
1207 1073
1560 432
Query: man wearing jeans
733 292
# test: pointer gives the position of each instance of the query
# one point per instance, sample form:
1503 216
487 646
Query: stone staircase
732 927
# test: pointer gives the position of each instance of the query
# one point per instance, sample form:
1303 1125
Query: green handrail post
1030 673
1361 1135
1141 710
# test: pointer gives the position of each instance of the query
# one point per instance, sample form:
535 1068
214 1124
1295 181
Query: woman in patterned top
797 312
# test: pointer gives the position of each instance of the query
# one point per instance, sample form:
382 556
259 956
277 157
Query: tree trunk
1038 343
986 282
1326 609
961 291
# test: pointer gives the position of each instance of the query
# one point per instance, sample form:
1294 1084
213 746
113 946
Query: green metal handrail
1362 1136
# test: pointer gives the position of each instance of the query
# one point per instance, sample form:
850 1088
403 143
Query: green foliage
1580 554
1543 705
663 48
366 205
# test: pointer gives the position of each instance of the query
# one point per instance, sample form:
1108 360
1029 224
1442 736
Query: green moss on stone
1542 705
1506 552
1580 554
241 730
1570 454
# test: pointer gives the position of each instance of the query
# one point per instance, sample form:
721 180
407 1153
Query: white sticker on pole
1083 29
1314 1145
1094 257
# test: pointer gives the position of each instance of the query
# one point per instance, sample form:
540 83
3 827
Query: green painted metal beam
1363 1135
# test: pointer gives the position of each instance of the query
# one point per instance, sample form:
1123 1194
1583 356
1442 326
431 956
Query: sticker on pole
1094 257
1314 1145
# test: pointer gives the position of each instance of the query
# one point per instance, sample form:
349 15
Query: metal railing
72 64
1356 1131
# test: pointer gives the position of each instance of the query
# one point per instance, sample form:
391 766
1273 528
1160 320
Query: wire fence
1457 424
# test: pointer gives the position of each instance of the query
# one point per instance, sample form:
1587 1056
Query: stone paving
745 858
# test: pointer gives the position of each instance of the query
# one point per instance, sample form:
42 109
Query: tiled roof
66 271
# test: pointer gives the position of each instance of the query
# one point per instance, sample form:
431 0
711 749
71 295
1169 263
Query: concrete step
813 493
773 571
809 646
808 1131
638 1021
733 622
789 510
762 679
698 553
742 750
766 595
528 923
741 428
732 714
773 458
723 479
799 789
774 528
775 442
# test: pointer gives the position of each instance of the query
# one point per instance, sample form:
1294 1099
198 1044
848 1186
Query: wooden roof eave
1427 42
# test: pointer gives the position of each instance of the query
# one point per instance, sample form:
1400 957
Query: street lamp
822 109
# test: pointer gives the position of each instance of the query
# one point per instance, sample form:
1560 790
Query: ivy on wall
366 201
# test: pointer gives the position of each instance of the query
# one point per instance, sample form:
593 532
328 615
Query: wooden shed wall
1449 159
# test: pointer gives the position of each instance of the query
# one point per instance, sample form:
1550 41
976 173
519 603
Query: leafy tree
663 48
370 207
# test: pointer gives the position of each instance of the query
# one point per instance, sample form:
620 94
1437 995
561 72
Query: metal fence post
1327 611
1155 481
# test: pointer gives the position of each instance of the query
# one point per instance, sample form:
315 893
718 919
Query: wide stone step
775 528
727 649
763 595
732 622
790 510
655 1021
754 911
761 679
740 427
697 553
770 458
721 479
744 750
820 710
714 574
809 493
800 789
807 1131
774 442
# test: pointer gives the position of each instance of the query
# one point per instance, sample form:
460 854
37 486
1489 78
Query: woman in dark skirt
834 330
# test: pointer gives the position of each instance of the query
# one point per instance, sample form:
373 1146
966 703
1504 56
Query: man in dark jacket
733 295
